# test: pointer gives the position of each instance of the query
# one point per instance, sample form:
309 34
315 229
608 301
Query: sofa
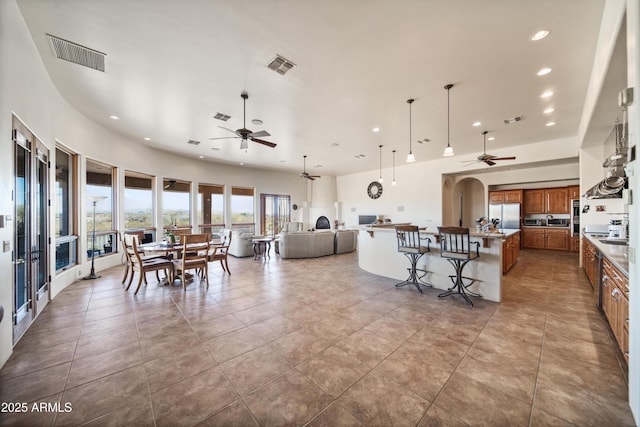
312 244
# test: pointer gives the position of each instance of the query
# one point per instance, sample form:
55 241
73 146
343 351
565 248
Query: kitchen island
378 254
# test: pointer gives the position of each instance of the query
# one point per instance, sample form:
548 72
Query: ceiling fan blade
224 137
259 134
230 130
470 163
315 176
260 141
503 158
489 162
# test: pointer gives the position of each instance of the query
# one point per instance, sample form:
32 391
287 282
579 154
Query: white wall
26 90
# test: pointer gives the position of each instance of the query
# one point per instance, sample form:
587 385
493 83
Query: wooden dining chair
219 251
143 265
195 256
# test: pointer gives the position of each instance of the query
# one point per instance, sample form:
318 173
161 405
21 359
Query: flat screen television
366 219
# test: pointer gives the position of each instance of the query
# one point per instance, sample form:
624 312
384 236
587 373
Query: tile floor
319 342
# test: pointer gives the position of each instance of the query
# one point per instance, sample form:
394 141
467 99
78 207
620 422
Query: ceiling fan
170 184
304 173
489 159
245 134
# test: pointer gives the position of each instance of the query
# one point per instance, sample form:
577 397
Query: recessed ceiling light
491 138
317 166
540 35
202 157
335 144
477 124
215 148
376 129
549 110
283 161
114 117
241 163
147 138
544 71
551 124
546 94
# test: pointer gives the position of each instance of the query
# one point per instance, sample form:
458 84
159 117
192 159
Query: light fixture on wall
380 178
448 151
410 157
394 167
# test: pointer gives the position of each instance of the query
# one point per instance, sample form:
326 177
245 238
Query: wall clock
374 190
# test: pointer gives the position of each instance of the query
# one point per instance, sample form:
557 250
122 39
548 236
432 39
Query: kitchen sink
615 242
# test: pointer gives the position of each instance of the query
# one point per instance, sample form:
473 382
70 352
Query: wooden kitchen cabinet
510 252
546 201
615 303
533 238
533 201
590 262
575 244
545 238
574 192
557 200
557 239
505 196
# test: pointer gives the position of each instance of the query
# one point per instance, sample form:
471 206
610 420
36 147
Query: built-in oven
575 217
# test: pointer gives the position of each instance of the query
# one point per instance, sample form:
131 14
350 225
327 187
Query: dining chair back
195 256
143 265
219 252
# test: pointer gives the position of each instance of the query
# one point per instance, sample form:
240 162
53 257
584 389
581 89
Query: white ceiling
171 65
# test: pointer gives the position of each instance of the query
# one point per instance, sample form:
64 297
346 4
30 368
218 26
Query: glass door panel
22 239
40 252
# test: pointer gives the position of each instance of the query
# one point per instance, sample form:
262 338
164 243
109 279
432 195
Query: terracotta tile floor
319 342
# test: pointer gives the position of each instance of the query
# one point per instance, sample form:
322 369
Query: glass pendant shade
448 151
411 158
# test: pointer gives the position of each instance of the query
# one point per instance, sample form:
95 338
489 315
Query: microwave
530 222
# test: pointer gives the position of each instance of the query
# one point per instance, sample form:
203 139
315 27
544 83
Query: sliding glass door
275 212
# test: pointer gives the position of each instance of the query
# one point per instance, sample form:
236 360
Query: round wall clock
374 190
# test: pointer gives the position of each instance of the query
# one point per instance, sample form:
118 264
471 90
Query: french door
274 213
30 231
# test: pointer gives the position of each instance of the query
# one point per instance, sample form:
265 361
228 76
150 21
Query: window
275 212
100 187
138 204
65 224
242 210
176 203
210 208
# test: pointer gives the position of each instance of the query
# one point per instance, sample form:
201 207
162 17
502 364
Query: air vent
359 156
223 117
280 65
512 120
72 52
193 142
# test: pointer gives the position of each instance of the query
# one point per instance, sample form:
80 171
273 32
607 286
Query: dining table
175 250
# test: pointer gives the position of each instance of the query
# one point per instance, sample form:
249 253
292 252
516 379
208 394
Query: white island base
378 254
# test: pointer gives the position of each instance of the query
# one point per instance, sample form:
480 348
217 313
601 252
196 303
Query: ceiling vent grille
193 142
72 52
512 120
223 117
280 65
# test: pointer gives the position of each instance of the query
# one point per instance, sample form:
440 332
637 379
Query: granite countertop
472 233
617 254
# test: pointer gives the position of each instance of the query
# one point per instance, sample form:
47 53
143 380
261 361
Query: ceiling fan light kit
304 173
410 157
448 151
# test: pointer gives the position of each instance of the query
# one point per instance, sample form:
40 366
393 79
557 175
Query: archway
468 202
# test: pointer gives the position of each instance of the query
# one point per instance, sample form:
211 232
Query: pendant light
380 179
410 157
448 152
394 167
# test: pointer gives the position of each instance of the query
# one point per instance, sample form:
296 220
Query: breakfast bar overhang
378 254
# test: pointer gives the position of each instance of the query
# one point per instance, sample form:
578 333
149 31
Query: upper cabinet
574 192
546 201
505 196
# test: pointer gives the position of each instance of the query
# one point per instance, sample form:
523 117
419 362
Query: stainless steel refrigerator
507 213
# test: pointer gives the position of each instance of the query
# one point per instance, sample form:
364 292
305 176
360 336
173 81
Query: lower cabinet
545 238
575 244
615 304
510 251
590 263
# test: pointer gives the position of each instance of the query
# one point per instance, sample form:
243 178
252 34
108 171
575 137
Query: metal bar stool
455 246
410 246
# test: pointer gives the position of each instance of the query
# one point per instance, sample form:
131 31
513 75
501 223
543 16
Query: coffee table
261 247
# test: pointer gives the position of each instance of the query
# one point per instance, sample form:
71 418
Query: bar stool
455 246
410 246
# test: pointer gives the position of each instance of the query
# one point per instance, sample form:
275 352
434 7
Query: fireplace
323 223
